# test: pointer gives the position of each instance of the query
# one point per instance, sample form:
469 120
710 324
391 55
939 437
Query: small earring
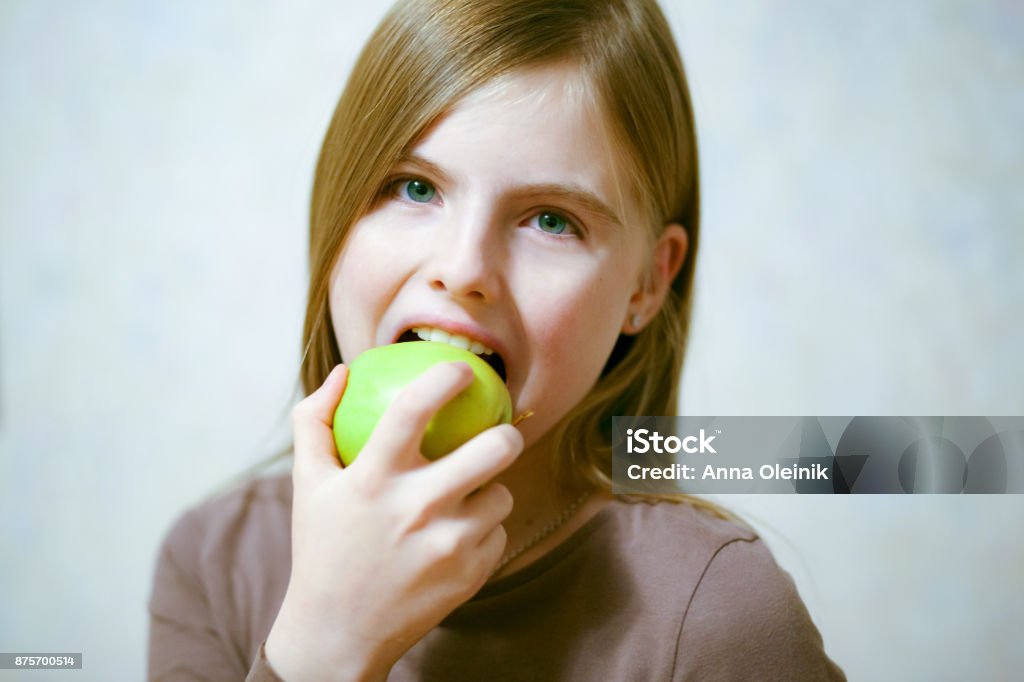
636 321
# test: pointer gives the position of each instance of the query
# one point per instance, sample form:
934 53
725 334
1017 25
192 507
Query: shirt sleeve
747 621
261 670
185 642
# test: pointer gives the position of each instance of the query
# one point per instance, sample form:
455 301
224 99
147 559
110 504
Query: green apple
377 375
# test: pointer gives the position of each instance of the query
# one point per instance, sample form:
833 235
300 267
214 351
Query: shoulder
206 530
662 550
680 531
738 614
745 618
221 571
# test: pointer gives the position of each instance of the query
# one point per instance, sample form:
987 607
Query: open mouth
486 354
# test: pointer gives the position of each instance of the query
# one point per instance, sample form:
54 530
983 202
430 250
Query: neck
540 498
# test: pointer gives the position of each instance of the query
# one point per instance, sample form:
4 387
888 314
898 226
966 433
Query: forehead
531 126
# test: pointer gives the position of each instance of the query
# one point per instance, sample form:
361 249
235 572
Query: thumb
312 423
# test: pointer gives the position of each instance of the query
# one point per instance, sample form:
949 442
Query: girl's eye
553 223
420 191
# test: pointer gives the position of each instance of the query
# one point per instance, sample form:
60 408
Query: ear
667 258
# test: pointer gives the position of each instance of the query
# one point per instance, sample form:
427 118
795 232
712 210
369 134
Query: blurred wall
862 253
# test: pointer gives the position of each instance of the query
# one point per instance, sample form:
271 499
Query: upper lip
470 330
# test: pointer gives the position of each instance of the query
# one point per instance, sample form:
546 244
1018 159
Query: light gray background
862 254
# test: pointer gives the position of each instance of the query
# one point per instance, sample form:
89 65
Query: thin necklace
547 530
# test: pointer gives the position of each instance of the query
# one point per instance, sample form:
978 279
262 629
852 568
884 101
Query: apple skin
377 375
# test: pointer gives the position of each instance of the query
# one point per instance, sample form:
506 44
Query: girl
519 177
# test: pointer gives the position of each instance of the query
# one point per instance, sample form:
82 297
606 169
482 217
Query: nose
465 259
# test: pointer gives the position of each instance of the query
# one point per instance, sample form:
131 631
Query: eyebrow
571 192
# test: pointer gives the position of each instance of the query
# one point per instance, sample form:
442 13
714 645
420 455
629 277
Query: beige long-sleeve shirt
640 592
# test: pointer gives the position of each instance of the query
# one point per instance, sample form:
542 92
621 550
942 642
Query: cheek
356 294
575 329
355 278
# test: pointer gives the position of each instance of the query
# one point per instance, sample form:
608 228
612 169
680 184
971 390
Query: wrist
297 653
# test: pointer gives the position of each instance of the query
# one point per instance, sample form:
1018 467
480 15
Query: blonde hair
424 57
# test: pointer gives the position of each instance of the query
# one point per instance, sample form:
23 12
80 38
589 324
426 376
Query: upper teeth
432 334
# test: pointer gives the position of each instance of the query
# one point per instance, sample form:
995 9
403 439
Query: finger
475 462
492 547
399 433
488 507
312 421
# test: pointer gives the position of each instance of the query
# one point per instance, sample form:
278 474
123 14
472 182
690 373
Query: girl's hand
384 549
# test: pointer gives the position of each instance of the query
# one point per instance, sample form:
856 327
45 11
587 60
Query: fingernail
461 367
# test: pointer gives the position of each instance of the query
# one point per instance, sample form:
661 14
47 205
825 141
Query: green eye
419 191
552 223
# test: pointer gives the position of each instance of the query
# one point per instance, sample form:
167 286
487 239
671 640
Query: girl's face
503 225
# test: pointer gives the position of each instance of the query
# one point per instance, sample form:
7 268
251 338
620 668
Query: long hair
424 57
